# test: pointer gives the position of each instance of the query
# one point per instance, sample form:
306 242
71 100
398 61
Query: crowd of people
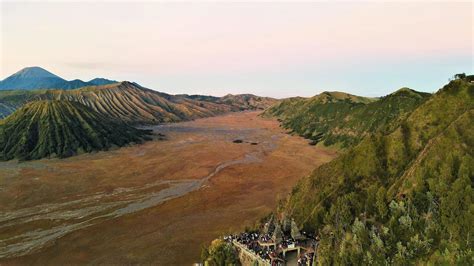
254 243
251 242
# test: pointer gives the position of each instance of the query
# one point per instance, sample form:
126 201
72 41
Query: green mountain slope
339 118
247 101
400 196
134 104
238 102
61 128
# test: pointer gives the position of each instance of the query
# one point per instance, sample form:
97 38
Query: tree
381 202
457 210
219 253
371 202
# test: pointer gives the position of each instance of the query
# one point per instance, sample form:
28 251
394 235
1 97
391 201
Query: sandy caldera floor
153 203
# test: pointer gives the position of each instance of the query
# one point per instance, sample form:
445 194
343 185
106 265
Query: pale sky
269 49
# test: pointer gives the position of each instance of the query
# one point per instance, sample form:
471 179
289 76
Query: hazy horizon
267 49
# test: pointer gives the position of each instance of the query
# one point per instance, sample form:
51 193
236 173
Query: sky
276 49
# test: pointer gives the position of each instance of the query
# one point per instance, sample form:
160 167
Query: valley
156 202
236 133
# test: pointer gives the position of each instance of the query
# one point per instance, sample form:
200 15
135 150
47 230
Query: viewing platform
277 244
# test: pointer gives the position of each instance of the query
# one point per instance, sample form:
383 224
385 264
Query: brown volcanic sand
170 233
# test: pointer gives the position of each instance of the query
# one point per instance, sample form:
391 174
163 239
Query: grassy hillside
134 104
402 195
238 102
247 101
61 129
339 118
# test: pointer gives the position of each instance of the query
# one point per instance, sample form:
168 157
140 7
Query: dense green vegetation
339 118
61 128
403 195
243 102
219 253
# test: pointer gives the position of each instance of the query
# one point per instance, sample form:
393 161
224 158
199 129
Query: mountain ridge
52 128
337 118
134 104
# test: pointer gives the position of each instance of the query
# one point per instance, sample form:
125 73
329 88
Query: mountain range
135 104
31 78
127 101
400 192
61 120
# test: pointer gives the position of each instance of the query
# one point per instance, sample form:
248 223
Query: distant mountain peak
338 96
101 81
30 78
34 72
404 90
